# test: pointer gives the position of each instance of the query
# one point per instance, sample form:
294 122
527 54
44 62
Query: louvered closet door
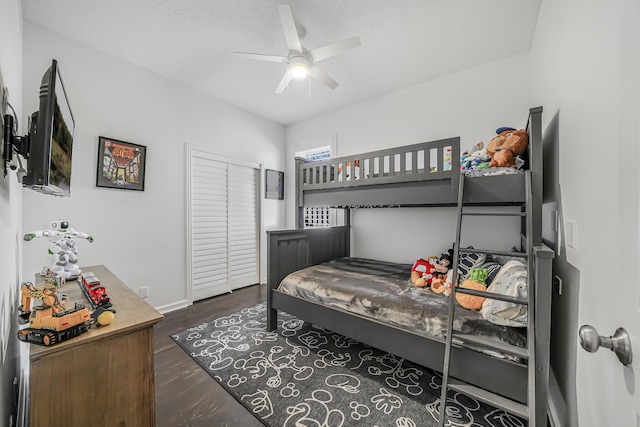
209 231
224 226
243 226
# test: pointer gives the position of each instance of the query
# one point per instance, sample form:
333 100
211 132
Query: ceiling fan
301 62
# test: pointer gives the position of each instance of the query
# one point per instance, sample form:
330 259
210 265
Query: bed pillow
468 261
492 267
503 259
511 280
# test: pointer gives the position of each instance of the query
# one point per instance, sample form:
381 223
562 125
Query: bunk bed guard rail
426 161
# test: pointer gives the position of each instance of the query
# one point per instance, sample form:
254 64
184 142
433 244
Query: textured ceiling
404 43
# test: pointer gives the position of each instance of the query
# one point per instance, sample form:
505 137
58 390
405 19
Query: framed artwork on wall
274 185
120 164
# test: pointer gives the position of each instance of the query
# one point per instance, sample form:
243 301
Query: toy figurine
63 253
424 272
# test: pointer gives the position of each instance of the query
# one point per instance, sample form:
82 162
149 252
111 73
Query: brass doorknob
619 343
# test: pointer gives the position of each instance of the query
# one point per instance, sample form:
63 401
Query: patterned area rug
304 375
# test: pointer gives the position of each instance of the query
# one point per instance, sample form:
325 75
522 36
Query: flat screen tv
51 138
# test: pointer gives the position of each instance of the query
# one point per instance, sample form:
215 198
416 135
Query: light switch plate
554 220
572 234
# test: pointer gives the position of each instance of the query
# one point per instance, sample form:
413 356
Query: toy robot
63 252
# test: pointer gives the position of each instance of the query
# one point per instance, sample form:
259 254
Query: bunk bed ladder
526 411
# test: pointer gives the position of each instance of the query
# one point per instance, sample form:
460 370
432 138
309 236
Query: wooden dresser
103 377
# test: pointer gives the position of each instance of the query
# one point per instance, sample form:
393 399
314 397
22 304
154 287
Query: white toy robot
63 251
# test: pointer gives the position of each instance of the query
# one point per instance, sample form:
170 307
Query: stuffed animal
424 271
508 144
442 284
470 150
475 157
443 278
346 176
503 159
447 159
475 281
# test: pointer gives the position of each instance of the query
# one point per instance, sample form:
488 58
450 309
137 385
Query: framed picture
274 188
120 164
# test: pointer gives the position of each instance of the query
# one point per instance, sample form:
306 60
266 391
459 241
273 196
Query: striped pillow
467 261
492 267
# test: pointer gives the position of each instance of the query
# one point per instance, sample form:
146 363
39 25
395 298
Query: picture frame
120 164
274 184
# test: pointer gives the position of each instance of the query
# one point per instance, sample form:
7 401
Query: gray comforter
383 291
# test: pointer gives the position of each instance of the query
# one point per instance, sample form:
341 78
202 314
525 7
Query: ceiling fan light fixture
299 67
301 63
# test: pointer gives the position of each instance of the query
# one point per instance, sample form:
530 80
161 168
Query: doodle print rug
304 375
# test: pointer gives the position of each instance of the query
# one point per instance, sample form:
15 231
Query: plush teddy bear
503 159
424 272
508 144
475 281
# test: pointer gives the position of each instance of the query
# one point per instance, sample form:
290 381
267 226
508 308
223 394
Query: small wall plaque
274 188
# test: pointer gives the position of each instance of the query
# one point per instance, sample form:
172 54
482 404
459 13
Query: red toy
424 271
94 291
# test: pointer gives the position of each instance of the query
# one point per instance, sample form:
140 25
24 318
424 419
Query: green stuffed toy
477 281
479 275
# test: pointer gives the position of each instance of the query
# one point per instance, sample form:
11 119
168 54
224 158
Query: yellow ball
105 318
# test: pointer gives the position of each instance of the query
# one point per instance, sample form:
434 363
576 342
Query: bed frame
395 178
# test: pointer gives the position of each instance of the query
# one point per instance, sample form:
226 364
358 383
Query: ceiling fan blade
289 26
261 57
333 49
322 77
283 83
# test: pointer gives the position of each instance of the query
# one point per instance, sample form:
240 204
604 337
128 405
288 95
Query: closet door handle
619 343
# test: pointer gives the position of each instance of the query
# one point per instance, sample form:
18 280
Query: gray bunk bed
425 174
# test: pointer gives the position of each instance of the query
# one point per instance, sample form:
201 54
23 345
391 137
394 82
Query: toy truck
50 323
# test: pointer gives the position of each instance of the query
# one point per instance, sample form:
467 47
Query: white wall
471 104
586 73
10 209
140 236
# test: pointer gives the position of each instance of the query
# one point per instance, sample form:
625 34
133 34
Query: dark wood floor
185 394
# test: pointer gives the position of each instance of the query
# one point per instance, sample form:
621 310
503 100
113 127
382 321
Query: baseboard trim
173 306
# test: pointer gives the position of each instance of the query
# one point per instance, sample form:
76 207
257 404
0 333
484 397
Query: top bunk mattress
382 291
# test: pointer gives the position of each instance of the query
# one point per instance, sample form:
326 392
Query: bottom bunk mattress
383 291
